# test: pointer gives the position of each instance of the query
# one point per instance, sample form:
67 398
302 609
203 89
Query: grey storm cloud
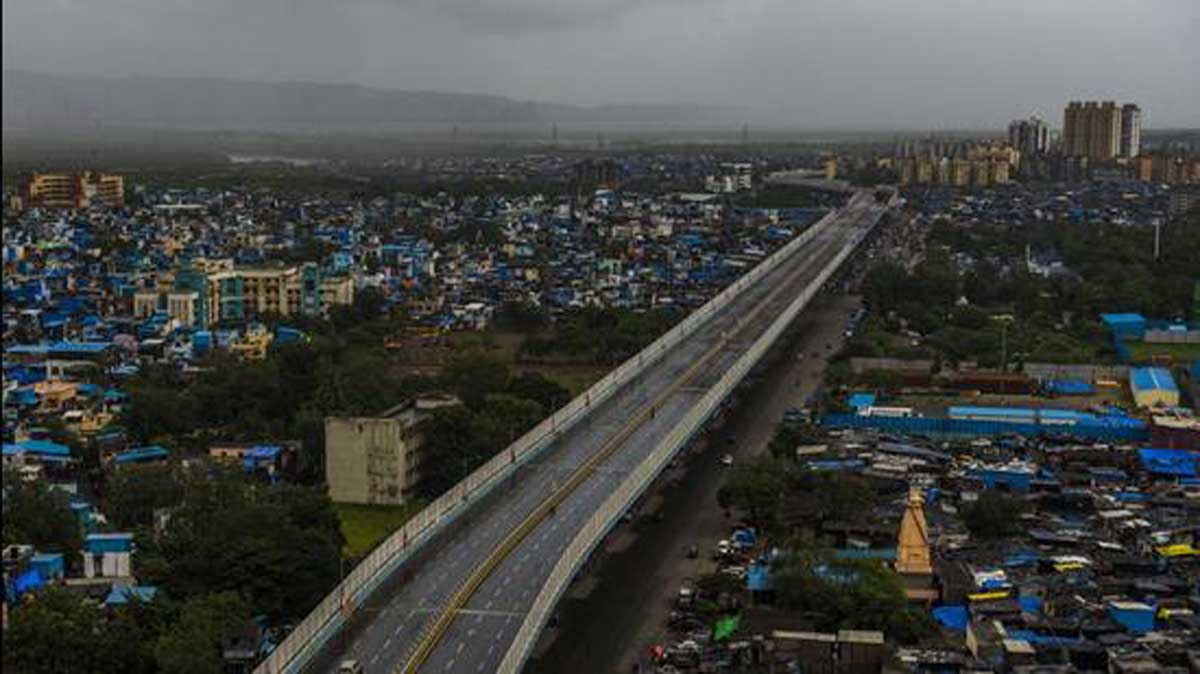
925 64
516 17
521 17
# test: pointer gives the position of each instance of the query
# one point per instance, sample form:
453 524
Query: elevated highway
468 585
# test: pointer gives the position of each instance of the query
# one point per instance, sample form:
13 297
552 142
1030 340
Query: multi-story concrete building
831 168
1101 131
71 190
1030 137
1143 168
1184 199
377 459
958 164
981 172
285 291
182 306
1131 130
146 302
1170 168
999 172
924 174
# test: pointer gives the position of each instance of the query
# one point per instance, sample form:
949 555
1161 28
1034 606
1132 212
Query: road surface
384 633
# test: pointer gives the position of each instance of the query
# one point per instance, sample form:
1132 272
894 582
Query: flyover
468 584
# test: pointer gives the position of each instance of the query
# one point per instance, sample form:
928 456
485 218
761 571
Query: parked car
726 459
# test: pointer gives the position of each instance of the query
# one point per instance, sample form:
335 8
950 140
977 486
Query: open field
364 526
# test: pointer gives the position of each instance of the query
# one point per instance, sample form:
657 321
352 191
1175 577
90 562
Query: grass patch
364 526
1180 353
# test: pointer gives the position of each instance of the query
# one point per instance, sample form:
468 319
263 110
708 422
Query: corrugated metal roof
1151 378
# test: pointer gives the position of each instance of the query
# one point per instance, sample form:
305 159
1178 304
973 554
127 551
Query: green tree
994 515
154 410
451 450
35 514
474 376
863 595
58 632
756 489
193 644
789 436
521 316
279 548
130 634
134 492
502 419
536 387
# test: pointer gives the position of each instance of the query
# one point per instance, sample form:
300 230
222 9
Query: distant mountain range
36 101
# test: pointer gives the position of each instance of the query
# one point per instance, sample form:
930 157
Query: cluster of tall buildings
954 163
1029 136
70 190
734 177
1097 137
1102 131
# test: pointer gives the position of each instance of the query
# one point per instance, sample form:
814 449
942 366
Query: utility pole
1004 347
1004 320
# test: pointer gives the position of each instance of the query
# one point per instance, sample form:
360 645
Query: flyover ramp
388 618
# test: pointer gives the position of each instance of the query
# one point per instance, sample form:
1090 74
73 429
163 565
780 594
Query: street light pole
1004 346
1004 320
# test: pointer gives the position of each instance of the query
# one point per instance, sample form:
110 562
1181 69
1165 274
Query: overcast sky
931 64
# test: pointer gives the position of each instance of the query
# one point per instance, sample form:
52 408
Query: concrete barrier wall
307 639
1089 373
1172 337
970 427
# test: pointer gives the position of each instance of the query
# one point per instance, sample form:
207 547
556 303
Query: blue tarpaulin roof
44 447
758 578
1178 462
148 453
861 400
1150 378
951 617
24 396
258 454
1022 559
1047 639
61 347
1070 387
865 553
121 594
30 580
1112 320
